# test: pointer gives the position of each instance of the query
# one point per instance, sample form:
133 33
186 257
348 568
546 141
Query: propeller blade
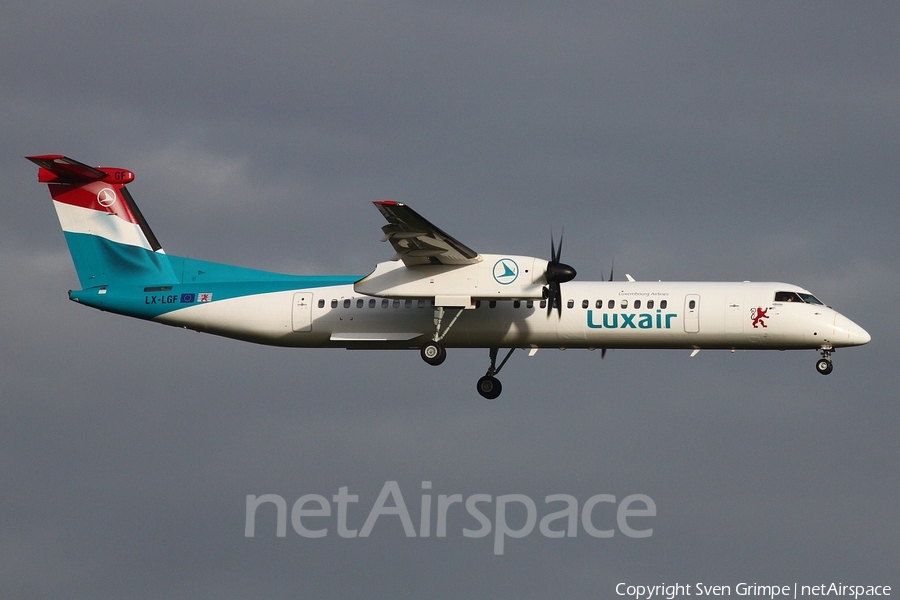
554 253
553 295
562 234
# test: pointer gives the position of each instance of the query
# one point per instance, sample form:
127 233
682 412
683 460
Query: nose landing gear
824 365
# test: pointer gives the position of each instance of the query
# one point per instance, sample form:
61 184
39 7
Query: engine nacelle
495 277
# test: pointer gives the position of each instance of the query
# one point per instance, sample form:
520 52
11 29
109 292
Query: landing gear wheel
489 387
433 353
824 366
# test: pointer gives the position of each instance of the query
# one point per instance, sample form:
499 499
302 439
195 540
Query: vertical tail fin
108 237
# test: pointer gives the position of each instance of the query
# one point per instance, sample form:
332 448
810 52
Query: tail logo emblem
106 197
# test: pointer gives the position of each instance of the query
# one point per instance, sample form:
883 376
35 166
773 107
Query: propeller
612 267
556 274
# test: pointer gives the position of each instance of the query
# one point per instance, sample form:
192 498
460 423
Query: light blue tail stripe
99 261
139 282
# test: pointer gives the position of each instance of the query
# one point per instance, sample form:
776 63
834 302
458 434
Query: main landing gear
434 353
823 365
489 386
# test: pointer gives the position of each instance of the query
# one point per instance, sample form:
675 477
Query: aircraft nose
860 336
853 333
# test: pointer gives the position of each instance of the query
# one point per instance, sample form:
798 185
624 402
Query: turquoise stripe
99 261
153 301
140 283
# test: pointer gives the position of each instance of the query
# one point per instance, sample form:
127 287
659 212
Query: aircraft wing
418 242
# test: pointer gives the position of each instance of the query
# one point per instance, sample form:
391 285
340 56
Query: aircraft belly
261 318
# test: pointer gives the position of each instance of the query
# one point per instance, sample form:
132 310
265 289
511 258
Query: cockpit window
810 299
796 297
787 297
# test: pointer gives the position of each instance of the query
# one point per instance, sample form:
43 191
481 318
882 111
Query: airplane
435 293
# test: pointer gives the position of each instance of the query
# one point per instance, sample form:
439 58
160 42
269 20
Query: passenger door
692 313
301 315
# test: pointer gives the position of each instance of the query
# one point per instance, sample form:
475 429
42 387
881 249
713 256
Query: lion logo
758 314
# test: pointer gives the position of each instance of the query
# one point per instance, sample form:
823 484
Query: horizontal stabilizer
56 168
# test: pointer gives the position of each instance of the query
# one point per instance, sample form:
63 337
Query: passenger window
543 304
624 303
385 303
334 303
585 303
492 304
516 304
611 304
397 303
360 303
649 303
637 303
346 302
692 304
321 302
529 304
421 304
599 304
663 303
372 303
570 304
407 304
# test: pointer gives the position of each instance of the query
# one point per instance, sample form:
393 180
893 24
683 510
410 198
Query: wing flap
416 241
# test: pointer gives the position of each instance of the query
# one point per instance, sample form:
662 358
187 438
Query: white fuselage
594 315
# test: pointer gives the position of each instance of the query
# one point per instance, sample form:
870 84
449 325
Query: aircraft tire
824 366
489 387
433 353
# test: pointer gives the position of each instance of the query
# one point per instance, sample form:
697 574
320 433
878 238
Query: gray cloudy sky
724 141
